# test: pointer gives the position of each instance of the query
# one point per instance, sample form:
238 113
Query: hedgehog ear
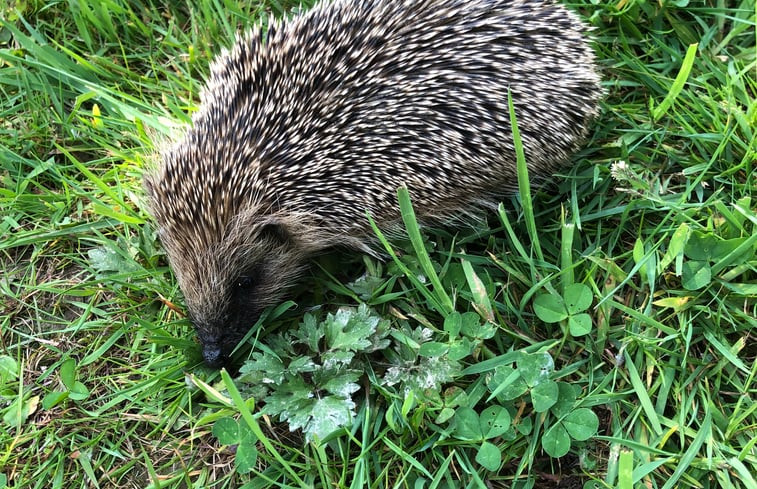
275 230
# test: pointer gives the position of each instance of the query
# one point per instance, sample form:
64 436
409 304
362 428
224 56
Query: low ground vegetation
600 333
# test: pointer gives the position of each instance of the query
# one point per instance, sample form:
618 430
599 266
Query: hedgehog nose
213 356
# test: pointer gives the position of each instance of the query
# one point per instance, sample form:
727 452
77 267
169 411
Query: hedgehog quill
306 125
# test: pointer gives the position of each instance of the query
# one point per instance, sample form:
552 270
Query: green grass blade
678 83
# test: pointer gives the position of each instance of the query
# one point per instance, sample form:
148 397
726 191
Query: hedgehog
310 124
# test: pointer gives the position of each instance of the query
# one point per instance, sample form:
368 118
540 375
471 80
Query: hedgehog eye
248 279
245 282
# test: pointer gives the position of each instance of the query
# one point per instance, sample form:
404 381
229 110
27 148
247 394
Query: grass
100 384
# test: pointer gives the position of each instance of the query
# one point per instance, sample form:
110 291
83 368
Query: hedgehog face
228 284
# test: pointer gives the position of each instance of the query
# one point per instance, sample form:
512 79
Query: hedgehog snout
213 355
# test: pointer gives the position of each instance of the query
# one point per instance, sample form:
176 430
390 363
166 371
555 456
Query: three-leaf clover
232 432
493 421
553 308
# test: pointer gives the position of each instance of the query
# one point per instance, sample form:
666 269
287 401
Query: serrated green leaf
580 324
344 384
309 333
544 396
226 430
302 364
428 375
104 259
336 359
349 329
555 441
577 298
288 397
267 368
329 415
581 424
494 420
489 456
550 308
467 425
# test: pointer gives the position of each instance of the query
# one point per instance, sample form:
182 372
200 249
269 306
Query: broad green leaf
246 457
78 392
507 383
535 367
473 328
696 274
577 298
8 370
625 470
565 399
675 247
68 373
550 308
580 324
247 452
581 424
701 246
525 426
433 349
452 324
676 303
489 456
481 302
226 430
494 420
556 441
544 396
444 415
53 398
460 349
20 410
467 425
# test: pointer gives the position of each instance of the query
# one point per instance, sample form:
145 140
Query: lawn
602 333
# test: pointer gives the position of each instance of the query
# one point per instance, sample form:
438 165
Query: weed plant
597 332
